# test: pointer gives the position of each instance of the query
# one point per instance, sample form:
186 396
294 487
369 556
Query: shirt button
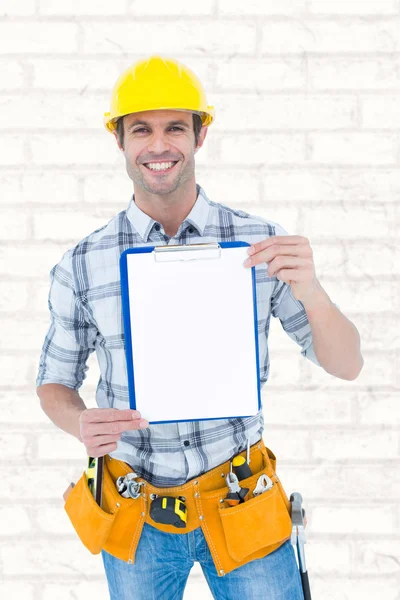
157 227
190 230
186 443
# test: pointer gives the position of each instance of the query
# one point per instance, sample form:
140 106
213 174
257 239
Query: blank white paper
193 335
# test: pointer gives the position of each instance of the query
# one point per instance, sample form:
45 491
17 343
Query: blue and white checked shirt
86 315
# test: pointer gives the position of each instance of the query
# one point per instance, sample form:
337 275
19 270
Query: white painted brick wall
306 134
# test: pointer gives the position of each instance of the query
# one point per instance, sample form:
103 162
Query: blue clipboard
191 332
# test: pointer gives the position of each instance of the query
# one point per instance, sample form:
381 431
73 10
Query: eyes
145 129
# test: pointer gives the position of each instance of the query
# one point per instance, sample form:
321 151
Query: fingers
101 428
102 415
97 451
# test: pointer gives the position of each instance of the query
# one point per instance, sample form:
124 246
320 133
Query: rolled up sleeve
71 337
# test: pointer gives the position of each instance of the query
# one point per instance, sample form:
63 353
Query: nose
158 143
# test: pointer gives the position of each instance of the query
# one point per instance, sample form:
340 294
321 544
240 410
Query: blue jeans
163 562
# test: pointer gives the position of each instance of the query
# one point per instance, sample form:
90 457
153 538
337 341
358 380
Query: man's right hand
101 428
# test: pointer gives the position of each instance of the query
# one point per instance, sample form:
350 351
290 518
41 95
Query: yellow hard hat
157 83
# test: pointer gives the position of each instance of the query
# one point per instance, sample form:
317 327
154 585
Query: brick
353 148
380 112
347 444
38 299
72 225
331 184
15 520
326 556
12 149
42 188
91 74
30 260
328 259
371 295
22 560
288 443
52 111
306 408
7 369
25 590
50 187
334 36
156 8
48 483
379 255
285 369
32 37
353 588
258 150
268 7
353 7
23 411
14 225
353 73
89 7
14 446
376 332
378 408
108 188
75 73
238 74
377 368
379 556
10 188
285 112
341 481
237 188
21 8
53 520
81 148
351 222
14 297
219 37
58 444
74 590
12 75
33 333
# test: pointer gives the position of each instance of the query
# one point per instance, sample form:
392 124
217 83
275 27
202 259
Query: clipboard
191 332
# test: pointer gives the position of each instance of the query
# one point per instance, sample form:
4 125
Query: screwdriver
241 466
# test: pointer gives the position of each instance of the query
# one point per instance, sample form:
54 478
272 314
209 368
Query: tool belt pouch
91 523
262 523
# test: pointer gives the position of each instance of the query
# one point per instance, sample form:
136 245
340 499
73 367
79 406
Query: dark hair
197 124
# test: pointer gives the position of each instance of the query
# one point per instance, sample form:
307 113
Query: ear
116 137
202 137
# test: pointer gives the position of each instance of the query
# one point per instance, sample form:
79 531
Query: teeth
160 166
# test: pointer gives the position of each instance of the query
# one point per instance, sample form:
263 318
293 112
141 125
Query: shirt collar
197 217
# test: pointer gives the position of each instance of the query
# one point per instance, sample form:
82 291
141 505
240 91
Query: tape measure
169 511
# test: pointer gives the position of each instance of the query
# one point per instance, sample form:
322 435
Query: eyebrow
175 122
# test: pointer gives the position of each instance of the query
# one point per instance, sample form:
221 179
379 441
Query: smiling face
159 148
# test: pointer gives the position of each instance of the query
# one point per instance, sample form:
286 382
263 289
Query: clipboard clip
187 252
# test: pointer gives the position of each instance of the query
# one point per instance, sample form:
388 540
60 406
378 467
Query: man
160 117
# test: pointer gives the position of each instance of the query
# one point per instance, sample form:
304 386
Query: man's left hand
290 259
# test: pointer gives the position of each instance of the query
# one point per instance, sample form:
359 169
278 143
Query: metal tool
236 494
264 483
298 539
127 486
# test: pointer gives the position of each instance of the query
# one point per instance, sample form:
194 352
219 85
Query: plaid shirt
86 315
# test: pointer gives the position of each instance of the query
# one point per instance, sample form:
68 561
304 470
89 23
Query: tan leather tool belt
235 535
